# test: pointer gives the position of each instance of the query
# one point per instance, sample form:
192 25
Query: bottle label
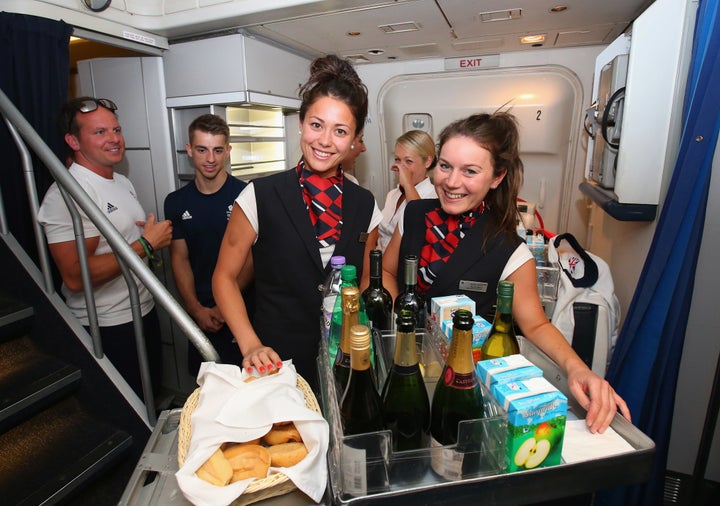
328 308
461 381
342 359
447 462
405 370
354 472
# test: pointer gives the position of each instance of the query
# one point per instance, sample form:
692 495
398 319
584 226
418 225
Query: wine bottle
457 397
409 298
378 301
348 274
350 304
501 340
406 408
330 292
360 408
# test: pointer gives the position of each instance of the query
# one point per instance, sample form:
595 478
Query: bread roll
287 454
282 433
248 461
216 470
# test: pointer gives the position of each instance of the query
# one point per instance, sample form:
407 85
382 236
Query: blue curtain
644 367
34 74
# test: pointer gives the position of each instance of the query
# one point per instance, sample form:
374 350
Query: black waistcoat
470 270
288 268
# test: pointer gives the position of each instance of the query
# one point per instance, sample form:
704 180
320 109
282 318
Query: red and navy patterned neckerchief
323 200
443 233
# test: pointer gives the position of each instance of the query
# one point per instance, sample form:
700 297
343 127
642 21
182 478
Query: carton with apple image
536 423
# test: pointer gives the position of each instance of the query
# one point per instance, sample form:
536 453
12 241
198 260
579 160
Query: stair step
55 452
16 317
31 380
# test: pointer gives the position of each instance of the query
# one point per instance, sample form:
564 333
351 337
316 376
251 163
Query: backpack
587 312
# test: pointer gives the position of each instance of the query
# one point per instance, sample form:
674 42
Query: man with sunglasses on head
92 132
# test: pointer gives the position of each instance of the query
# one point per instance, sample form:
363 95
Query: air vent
421 50
477 45
408 26
505 15
357 58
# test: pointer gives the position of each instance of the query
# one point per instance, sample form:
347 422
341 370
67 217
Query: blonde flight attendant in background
467 242
414 158
293 222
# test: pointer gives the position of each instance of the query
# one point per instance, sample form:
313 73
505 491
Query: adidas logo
111 208
186 215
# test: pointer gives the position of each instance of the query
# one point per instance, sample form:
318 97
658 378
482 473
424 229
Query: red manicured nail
279 363
261 369
249 369
270 366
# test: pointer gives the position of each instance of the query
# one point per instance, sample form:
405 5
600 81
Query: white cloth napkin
580 444
229 409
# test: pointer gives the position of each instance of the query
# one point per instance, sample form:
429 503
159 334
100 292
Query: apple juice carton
480 331
536 423
506 369
441 308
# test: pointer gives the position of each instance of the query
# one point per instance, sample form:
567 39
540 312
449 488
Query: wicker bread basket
271 486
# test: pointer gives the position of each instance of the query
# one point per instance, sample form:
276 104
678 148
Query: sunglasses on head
92 104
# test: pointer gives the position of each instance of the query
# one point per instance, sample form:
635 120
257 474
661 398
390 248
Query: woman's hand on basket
262 358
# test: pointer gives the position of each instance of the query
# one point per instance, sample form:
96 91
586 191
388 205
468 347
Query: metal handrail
129 261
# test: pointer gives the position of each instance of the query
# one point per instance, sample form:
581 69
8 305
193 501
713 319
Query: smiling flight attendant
467 242
293 222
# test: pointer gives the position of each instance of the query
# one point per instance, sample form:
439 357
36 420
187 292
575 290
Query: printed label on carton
506 369
481 329
537 413
441 308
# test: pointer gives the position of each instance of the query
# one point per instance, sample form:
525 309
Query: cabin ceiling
385 30
400 29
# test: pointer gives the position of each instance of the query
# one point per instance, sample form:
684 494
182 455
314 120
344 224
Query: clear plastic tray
364 466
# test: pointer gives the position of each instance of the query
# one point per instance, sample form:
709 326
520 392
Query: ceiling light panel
399 25
504 15
409 26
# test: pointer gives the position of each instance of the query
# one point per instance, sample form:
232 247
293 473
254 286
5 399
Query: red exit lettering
470 63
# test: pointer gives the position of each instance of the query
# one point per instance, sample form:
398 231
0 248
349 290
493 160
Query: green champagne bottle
378 301
406 408
360 408
457 397
501 340
350 305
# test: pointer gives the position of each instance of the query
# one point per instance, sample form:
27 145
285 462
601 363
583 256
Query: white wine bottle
501 340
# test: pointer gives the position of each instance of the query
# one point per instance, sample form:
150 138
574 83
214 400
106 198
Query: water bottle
330 291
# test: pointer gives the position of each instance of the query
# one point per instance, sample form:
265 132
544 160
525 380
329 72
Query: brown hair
332 76
498 133
210 124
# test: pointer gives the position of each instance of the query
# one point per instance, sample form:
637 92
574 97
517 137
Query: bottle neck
460 355
360 359
405 348
504 305
375 267
349 319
